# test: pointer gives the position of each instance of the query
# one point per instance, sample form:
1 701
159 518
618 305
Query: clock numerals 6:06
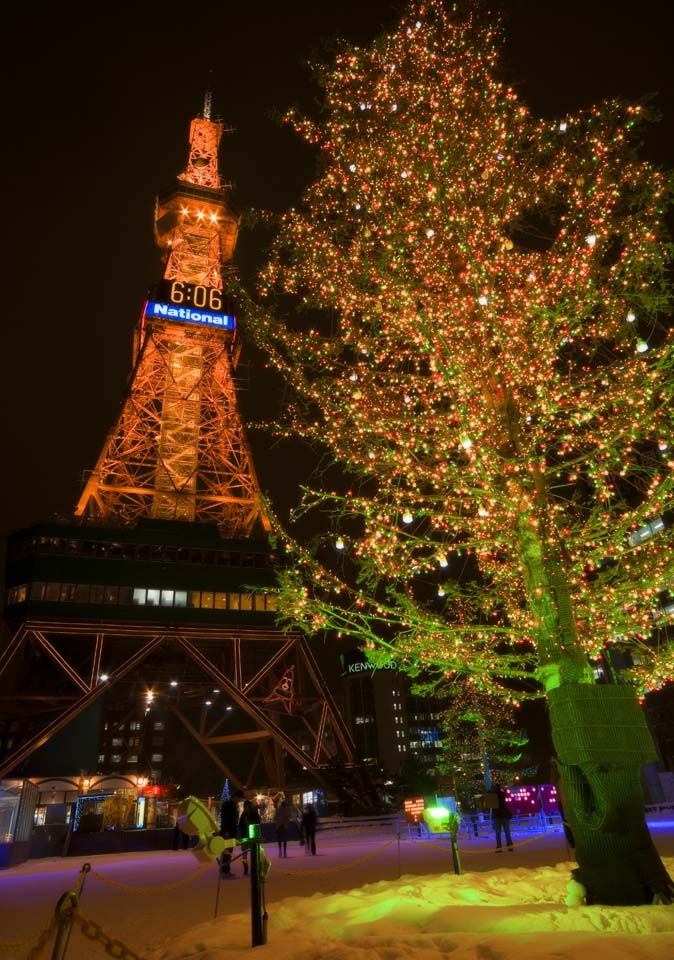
195 295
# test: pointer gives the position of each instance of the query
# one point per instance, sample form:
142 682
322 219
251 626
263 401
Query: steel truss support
308 728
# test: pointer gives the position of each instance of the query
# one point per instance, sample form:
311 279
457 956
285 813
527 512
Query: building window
116 742
157 757
133 758
158 725
134 725
116 758
101 758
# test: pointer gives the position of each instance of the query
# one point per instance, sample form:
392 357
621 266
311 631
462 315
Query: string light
483 277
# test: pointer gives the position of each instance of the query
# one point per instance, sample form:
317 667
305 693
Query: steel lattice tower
164 585
178 449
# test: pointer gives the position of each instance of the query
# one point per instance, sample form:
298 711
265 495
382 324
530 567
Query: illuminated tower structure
157 600
178 450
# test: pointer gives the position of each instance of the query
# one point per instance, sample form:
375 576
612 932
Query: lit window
234 601
207 599
101 758
116 758
158 725
139 596
180 598
246 601
157 757
153 598
167 598
133 758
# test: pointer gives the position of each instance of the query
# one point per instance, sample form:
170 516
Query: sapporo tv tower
151 616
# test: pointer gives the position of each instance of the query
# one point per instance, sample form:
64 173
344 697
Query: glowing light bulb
407 517
642 346
563 126
631 317
339 544
430 232
591 239
466 443
443 562
352 167
483 300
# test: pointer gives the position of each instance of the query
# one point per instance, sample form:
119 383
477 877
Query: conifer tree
479 346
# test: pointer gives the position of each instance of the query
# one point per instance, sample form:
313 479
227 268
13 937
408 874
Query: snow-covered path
317 904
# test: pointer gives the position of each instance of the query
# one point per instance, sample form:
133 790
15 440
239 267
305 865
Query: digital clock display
184 294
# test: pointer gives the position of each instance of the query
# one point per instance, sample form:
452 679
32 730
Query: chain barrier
438 846
38 939
94 931
343 866
167 886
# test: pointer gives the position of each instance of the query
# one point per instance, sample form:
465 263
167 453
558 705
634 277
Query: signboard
414 808
156 309
356 662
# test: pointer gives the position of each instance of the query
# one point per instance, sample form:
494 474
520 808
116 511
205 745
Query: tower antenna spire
208 97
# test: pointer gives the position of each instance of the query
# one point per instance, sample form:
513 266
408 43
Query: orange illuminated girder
178 450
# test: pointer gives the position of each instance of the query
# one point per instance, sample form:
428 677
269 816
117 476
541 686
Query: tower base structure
169 630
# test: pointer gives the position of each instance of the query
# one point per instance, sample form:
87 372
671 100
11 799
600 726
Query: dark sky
98 99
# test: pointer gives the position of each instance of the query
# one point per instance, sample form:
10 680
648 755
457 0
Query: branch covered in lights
480 347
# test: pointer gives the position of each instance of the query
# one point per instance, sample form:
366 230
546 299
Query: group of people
306 823
234 826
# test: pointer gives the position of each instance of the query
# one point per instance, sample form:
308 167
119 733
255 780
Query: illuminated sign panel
205 318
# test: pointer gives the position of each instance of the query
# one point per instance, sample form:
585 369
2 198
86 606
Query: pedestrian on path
309 824
500 818
249 814
281 821
229 821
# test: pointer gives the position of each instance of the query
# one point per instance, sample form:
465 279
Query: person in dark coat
500 818
229 821
249 814
281 821
309 822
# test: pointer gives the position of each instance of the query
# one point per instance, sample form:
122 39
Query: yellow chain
168 886
41 938
462 850
94 931
344 866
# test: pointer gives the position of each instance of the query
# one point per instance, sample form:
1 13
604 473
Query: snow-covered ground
347 903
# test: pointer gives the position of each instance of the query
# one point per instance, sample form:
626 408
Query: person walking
500 818
281 821
309 823
229 821
249 814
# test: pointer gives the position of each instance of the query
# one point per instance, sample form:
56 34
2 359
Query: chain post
398 835
65 910
258 929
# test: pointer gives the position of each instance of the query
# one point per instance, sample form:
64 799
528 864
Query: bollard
66 906
398 833
258 915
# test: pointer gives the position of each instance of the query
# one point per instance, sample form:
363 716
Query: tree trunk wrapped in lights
481 351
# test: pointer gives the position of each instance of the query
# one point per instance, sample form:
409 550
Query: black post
258 931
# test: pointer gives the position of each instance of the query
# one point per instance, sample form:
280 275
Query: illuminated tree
482 743
479 348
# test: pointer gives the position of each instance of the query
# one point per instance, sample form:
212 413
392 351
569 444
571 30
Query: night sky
98 99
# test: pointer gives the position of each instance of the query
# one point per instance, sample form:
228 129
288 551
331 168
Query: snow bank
504 914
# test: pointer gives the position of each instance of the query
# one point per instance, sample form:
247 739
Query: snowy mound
504 914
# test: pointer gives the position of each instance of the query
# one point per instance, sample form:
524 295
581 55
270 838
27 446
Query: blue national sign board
206 318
